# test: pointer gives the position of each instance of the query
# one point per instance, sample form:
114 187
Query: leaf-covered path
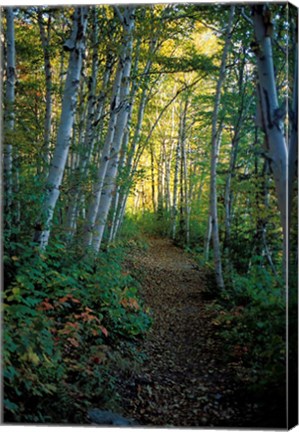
184 380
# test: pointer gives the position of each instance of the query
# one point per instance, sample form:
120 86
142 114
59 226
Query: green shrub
154 224
250 318
64 318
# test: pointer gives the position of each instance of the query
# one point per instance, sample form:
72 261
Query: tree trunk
9 122
228 195
45 40
89 128
94 205
175 188
293 142
161 182
136 138
76 46
272 115
112 169
214 157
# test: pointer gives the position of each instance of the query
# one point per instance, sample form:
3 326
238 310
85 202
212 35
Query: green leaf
10 405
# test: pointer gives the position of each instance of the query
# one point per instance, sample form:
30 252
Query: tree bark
272 116
293 142
175 187
108 190
129 165
105 155
76 46
89 125
45 40
214 157
9 123
183 174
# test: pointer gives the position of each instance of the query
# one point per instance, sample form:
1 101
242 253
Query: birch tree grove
76 45
153 140
138 129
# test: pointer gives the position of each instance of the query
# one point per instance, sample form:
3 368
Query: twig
118 13
246 17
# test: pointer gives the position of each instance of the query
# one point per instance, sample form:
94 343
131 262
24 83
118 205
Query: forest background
126 122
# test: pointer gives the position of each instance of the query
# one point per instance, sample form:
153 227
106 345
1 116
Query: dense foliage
126 122
64 319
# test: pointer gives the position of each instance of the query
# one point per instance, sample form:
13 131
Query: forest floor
185 380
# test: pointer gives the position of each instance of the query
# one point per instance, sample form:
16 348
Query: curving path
184 380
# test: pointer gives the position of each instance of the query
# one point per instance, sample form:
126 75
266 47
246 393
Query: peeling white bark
271 119
76 46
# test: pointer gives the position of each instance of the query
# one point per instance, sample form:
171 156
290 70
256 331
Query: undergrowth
68 321
250 319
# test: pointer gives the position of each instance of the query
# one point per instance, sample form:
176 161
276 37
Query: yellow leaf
50 388
46 358
16 291
33 357
30 356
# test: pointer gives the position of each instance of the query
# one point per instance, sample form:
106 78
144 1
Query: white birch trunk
94 205
89 130
45 40
168 177
9 108
272 119
214 157
135 142
228 195
293 143
121 124
76 45
175 188
188 194
125 193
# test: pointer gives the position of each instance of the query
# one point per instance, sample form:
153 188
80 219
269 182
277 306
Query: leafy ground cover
68 322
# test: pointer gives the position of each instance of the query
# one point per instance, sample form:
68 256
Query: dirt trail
184 381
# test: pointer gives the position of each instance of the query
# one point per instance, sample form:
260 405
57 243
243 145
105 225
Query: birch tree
293 141
76 45
129 163
214 156
127 20
45 33
175 187
244 103
94 110
9 119
105 154
272 114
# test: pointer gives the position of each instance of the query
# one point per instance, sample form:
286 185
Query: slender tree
214 155
272 114
76 45
9 123
127 19
45 34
